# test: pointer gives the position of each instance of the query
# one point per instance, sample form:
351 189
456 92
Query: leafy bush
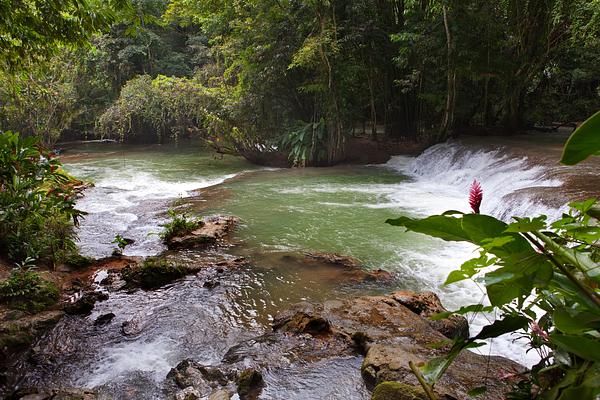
527 265
179 225
151 109
37 202
26 290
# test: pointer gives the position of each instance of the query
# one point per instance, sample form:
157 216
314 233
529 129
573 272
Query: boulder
209 232
249 384
153 273
301 318
344 268
398 391
427 304
392 334
85 303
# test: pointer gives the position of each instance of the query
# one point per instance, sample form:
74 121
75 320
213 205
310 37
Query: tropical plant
25 289
37 202
179 225
543 278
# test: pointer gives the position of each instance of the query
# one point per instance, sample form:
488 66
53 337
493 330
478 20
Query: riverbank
283 215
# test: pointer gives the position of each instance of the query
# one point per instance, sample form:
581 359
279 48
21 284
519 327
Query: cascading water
339 209
445 172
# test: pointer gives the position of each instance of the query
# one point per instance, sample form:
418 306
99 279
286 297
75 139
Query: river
283 212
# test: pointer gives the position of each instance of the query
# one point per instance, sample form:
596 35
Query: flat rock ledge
382 328
210 232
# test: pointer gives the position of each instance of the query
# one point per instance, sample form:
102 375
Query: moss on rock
398 391
153 273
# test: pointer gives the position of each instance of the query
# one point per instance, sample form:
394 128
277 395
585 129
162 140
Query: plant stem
585 290
428 390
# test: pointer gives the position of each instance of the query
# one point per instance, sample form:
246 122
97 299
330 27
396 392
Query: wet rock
210 231
249 384
389 362
85 304
219 395
398 391
153 273
134 326
19 331
427 304
204 380
55 394
211 284
104 319
348 268
301 318
392 335
189 393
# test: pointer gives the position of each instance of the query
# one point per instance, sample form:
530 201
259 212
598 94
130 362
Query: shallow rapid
283 212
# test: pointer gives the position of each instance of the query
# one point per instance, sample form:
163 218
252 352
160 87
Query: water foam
445 172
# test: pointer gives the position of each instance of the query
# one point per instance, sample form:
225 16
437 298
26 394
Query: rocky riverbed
376 336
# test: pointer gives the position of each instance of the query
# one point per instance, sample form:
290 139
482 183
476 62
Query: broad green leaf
443 227
500 327
434 369
583 346
527 224
475 308
480 227
469 268
572 321
584 141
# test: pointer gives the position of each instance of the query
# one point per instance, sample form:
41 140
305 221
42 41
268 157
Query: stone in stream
85 304
249 384
427 304
398 391
210 231
392 335
104 319
345 268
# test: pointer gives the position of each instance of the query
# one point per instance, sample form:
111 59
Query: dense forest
301 76
199 309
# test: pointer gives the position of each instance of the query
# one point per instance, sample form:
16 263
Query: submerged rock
209 232
104 319
55 394
347 268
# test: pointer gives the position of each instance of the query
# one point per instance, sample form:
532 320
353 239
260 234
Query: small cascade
510 184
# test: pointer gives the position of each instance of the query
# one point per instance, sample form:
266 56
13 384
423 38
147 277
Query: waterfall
511 185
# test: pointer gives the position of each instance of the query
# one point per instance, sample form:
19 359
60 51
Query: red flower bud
475 196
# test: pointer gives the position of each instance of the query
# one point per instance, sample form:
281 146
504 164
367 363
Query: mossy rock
77 261
153 273
398 391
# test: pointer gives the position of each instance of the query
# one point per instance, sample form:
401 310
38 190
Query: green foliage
34 29
26 290
179 225
584 142
155 108
37 202
121 243
307 143
525 264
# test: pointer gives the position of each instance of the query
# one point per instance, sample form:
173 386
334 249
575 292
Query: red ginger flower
475 196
